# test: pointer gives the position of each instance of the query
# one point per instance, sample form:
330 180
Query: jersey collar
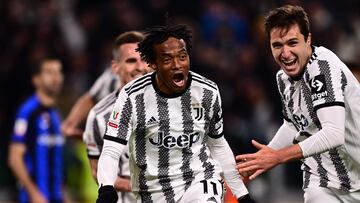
153 81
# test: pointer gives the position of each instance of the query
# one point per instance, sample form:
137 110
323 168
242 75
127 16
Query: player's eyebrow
182 50
130 60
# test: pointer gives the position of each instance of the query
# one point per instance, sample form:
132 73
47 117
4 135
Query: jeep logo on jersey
182 141
318 87
301 121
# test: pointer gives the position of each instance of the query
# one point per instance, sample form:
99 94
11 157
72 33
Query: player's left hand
246 199
107 194
259 162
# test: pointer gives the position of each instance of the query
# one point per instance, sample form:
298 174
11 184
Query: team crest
198 110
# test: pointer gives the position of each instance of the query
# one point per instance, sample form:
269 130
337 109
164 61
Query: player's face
129 66
50 79
171 65
290 50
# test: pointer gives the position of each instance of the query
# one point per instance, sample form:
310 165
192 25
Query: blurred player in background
104 85
320 98
35 153
128 65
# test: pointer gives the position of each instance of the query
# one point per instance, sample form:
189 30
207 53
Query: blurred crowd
229 47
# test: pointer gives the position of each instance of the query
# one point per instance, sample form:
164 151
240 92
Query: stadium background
229 47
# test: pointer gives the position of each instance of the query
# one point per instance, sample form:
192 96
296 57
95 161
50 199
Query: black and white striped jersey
326 82
104 85
167 135
95 130
93 139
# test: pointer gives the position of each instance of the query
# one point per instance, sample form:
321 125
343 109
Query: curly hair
159 34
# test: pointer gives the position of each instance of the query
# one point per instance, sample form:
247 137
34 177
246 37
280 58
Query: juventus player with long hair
320 98
172 121
127 65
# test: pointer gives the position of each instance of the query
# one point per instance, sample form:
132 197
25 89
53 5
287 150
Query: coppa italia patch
113 125
318 87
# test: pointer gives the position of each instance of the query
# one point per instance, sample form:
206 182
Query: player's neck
46 99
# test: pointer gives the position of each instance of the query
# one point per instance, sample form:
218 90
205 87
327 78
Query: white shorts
211 190
329 195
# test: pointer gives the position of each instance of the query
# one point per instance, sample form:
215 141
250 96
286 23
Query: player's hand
107 194
245 175
246 199
37 197
122 184
257 163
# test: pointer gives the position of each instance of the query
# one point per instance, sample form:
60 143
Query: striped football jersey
93 138
104 85
167 135
326 82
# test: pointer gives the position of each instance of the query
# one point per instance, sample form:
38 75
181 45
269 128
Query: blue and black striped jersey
38 127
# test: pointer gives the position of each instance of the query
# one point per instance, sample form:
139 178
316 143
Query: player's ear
35 80
308 41
153 66
114 66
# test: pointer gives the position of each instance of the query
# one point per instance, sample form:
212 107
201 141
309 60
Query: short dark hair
124 38
287 16
159 34
37 67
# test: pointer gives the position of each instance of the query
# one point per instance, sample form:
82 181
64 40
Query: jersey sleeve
105 84
21 126
327 84
216 122
118 130
91 130
119 126
221 152
284 137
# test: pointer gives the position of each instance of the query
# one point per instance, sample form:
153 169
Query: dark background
230 48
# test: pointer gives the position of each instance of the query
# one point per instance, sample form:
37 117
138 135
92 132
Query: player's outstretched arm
266 158
221 151
107 170
77 115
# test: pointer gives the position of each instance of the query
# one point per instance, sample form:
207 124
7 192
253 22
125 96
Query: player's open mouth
179 79
289 62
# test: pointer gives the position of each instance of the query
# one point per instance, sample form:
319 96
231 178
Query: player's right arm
17 165
118 130
92 147
92 130
80 110
17 150
78 113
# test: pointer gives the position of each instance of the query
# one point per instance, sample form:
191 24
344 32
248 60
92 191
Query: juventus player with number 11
172 121
320 98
